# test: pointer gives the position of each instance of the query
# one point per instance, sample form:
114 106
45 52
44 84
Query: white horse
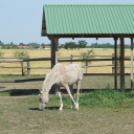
59 76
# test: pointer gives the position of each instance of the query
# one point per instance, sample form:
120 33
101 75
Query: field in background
62 53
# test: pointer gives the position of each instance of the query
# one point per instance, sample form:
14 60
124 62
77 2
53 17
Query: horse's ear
40 90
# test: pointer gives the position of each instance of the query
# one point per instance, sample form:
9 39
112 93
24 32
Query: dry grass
62 53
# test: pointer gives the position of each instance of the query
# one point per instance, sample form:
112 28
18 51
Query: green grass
4 93
108 98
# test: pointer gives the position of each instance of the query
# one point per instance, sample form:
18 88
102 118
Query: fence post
86 67
113 62
28 67
71 58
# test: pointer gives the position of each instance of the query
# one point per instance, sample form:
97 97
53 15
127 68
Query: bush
107 98
1 54
21 54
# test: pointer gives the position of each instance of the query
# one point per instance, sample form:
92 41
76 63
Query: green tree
87 56
14 46
37 46
22 44
21 54
8 47
1 45
61 46
82 43
43 45
70 45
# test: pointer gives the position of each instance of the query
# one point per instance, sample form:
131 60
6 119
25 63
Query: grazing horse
65 76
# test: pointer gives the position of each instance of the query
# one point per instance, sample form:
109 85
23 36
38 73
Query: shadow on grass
21 92
52 108
46 108
34 109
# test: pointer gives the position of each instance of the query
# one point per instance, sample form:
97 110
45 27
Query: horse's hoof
60 109
77 107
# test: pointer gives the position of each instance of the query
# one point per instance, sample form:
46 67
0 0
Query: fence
27 59
64 59
118 67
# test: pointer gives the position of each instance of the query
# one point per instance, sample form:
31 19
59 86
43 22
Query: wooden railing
61 59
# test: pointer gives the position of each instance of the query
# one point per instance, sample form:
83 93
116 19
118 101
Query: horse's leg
72 91
60 97
78 84
70 95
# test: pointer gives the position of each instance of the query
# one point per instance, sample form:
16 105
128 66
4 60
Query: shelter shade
89 21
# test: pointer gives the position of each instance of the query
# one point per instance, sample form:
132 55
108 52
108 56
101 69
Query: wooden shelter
90 21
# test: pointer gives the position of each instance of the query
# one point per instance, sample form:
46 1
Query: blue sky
21 20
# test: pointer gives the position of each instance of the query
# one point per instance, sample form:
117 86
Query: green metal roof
88 19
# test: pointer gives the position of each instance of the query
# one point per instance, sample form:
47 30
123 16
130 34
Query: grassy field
97 115
62 53
101 112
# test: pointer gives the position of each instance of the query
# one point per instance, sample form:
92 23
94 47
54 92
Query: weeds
1 54
107 98
21 55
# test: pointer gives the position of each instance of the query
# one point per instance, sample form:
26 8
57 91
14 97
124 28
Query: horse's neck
49 82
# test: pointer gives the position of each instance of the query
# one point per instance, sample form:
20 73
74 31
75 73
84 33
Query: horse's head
43 99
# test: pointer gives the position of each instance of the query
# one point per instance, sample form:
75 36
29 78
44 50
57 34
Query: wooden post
28 67
54 51
71 57
115 63
132 64
122 76
22 70
54 54
86 67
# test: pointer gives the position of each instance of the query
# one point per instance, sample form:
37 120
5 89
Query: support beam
122 76
115 62
132 64
54 51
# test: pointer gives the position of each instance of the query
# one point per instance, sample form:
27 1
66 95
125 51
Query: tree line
67 45
83 44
